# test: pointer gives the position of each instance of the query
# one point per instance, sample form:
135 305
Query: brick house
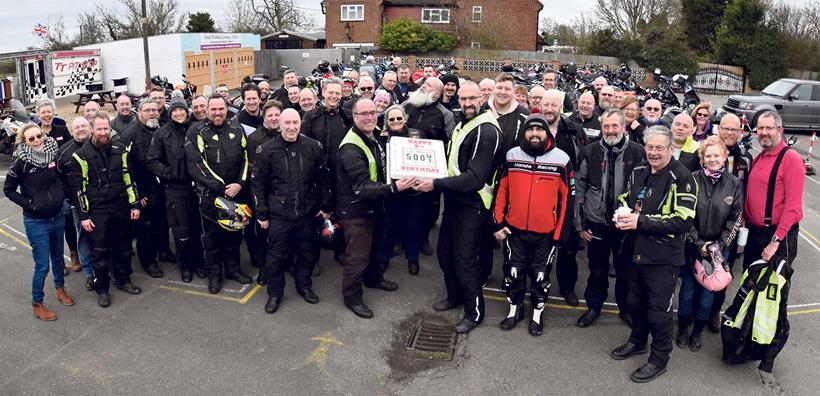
486 24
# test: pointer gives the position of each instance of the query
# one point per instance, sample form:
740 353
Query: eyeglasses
702 115
365 88
367 114
652 108
730 130
38 136
150 110
766 129
656 149
394 119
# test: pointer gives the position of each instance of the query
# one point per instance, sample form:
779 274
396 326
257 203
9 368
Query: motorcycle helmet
230 215
328 232
711 272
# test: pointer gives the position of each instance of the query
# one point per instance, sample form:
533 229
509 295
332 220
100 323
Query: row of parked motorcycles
575 80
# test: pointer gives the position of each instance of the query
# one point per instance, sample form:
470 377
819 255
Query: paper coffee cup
742 236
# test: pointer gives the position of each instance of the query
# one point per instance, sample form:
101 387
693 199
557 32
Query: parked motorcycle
17 117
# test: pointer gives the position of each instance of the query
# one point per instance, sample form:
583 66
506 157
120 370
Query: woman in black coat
717 219
32 182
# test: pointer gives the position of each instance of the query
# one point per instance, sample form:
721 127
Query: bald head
652 111
90 109
729 130
586 105
433 86
80 129
290 122
682 128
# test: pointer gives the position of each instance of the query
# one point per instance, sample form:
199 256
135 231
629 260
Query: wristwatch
775 239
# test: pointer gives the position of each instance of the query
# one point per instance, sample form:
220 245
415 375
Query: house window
475 44
477 13
353 12
435 15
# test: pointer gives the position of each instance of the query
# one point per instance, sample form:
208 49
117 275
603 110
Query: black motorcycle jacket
216 156
166 157
290 179
138 139
101 179
719 210
433 120
665 202
329 127
602 178
357 194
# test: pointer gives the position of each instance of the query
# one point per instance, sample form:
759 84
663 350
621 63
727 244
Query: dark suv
797 101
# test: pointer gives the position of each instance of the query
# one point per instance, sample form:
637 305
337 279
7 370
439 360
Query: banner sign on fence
212 41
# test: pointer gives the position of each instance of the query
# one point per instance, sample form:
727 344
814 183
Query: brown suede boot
75 262
64 298
41 312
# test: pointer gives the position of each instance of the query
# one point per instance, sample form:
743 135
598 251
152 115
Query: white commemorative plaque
423 158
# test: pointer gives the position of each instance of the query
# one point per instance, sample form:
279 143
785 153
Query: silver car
797 101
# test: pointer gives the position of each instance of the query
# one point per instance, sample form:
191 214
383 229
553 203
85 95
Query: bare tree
627 17
164 17
92 30
57 38
240 17
281 14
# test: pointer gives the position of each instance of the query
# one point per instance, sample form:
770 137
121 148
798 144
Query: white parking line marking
810 242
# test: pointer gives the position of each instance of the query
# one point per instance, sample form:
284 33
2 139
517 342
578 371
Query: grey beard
152 123
420 99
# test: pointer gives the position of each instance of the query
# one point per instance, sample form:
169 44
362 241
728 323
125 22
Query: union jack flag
41 30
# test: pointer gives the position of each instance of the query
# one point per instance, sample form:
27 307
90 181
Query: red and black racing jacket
536 191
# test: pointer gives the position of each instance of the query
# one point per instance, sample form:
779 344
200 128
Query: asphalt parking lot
177 339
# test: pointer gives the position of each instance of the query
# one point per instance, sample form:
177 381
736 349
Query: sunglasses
394 119
652 108
365 88
702 115
36 137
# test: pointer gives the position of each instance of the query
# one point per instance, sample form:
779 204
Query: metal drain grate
434 338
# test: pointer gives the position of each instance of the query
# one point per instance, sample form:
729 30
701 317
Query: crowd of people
292 170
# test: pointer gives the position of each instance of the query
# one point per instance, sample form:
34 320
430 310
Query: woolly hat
449 78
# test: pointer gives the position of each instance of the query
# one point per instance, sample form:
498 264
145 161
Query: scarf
714 176
38 158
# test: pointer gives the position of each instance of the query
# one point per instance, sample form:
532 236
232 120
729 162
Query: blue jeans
46 239
693 297
83 245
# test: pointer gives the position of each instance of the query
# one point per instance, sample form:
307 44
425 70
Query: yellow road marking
250 294
808 234
804 311
498 298
15 239
198 293
319 355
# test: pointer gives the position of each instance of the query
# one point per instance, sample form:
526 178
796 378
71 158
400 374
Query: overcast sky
19 20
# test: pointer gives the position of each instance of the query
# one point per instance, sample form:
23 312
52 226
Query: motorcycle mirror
657 71
792 140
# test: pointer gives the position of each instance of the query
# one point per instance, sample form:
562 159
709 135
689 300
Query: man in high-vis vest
217 160
106 200
473 158
362 186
